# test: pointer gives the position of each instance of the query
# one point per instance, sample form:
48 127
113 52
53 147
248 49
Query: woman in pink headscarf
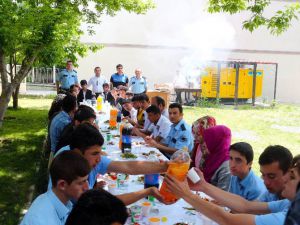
198 127
215 159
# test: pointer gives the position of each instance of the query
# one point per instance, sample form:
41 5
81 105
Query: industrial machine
227 84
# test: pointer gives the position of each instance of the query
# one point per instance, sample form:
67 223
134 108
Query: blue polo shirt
67 78
267 197
92 178
117 79
47 209
180 136
138 86
59 122
278 213
250 188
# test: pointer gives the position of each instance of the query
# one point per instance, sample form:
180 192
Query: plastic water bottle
126 136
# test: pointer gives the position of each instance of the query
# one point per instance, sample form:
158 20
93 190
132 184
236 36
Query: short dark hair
105 85
69 103
296 163
124 101
68 166
143 97
83 113
97 207
276 153
176 105
97 67
135 98
119 65
83 82
69 61
84 136
160 101
153 109
244 149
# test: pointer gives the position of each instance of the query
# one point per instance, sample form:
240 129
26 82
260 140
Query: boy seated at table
160 125
243 180
98 207
69 182
132 118
87 141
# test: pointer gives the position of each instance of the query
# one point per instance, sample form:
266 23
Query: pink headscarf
198 127
217 140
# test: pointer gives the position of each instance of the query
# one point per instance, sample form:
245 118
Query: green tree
47 32
278 23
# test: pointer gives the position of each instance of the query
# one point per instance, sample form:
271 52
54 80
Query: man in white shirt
161 104
97 82
160 126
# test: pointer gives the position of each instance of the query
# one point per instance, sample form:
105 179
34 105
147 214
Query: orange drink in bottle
113 117
178 168
120 140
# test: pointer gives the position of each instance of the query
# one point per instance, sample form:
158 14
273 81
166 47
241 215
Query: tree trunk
15 96
4 100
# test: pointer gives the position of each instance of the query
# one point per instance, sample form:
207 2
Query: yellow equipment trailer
209 83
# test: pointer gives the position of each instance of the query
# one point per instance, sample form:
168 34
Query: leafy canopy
276 24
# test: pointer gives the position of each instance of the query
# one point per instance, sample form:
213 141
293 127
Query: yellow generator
209 82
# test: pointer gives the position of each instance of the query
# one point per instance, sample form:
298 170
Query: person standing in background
66 78
138 83
97 82
118 78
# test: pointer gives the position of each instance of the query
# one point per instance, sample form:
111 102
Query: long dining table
178 213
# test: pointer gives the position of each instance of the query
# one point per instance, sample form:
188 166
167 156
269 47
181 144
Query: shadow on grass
22 160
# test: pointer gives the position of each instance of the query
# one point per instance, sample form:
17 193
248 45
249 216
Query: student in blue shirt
60 121
69 182
274 163
86 140
251 212
180 135
243 180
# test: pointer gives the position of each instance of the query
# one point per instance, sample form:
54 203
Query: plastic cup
146 206
112 188
154 221
193 176
136 213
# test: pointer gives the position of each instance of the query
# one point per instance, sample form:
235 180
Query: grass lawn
21 141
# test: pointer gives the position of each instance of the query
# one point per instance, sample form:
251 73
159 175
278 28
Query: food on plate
110 143
106 121
114 176
112 128
128 156
188 208
180 223
151 153
116 135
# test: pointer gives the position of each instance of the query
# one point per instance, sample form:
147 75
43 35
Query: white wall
183 23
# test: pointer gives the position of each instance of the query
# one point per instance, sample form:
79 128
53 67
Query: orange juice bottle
178 168
113 117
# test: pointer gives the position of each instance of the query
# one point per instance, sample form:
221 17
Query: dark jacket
108 97
88 95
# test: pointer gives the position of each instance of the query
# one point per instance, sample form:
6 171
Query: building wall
179 32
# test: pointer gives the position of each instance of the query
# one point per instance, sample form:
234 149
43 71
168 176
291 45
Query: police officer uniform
138 86
117 79
180 136
67 78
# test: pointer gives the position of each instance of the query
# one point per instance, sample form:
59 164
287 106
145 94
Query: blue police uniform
67 78
101 168
138 86
278 213
47 209
117 80
180 136
250 188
